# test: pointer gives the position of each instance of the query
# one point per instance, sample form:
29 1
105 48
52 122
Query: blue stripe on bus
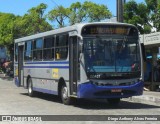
66 67
67 62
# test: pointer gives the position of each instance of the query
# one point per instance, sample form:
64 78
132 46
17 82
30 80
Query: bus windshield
112 57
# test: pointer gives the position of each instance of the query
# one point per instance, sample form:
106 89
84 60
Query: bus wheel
113 101
64 95
30 88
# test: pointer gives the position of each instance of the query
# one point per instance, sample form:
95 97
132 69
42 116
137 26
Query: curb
146 98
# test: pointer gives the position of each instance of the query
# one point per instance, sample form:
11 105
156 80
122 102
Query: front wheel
30 88
64 95
113 101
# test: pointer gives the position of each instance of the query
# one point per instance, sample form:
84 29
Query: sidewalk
148 96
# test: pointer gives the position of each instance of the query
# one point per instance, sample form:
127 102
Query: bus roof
76 27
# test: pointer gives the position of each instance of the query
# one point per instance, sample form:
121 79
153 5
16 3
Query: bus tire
30 88
113 101
64 95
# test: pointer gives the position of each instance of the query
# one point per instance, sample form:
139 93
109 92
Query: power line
55 3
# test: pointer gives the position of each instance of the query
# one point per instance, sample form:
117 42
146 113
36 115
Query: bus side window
61 47
37 49
28 51
48 48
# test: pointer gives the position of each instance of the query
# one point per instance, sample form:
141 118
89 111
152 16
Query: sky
20 7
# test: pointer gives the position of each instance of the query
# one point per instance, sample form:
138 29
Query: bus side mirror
143 52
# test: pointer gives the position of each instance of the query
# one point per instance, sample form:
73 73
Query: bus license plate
116 90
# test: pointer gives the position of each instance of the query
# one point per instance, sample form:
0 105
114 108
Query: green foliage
144 16
78 12
156 18
151 5
6 28
12 27
96 12
137 14
34 21
154 9
59 14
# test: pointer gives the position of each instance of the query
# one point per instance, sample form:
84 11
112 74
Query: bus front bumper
89 90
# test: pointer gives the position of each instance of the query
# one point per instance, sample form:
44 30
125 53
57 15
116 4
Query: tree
152 5
88 12
154 10
96 12
12 27
59 14
6 28
34 21
31 23
156 19
77 13
19 27
7 31
138 15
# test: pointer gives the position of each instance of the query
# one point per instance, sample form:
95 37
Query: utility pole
120 4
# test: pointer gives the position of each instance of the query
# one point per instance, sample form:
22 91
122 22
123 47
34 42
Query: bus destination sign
93 30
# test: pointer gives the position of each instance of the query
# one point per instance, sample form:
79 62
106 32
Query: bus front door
20 65
73 64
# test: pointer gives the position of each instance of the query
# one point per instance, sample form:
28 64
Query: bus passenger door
20 65
73 64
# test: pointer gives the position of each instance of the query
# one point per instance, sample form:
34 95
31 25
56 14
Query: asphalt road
15 101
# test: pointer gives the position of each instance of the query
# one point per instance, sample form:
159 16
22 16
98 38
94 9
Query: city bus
82 61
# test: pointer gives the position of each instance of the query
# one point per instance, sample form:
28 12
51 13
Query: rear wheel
64 95
113 101
30 88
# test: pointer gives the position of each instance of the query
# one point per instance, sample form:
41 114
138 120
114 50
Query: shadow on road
95 104
48 97
102 104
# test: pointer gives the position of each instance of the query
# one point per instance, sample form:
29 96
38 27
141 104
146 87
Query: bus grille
110 84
